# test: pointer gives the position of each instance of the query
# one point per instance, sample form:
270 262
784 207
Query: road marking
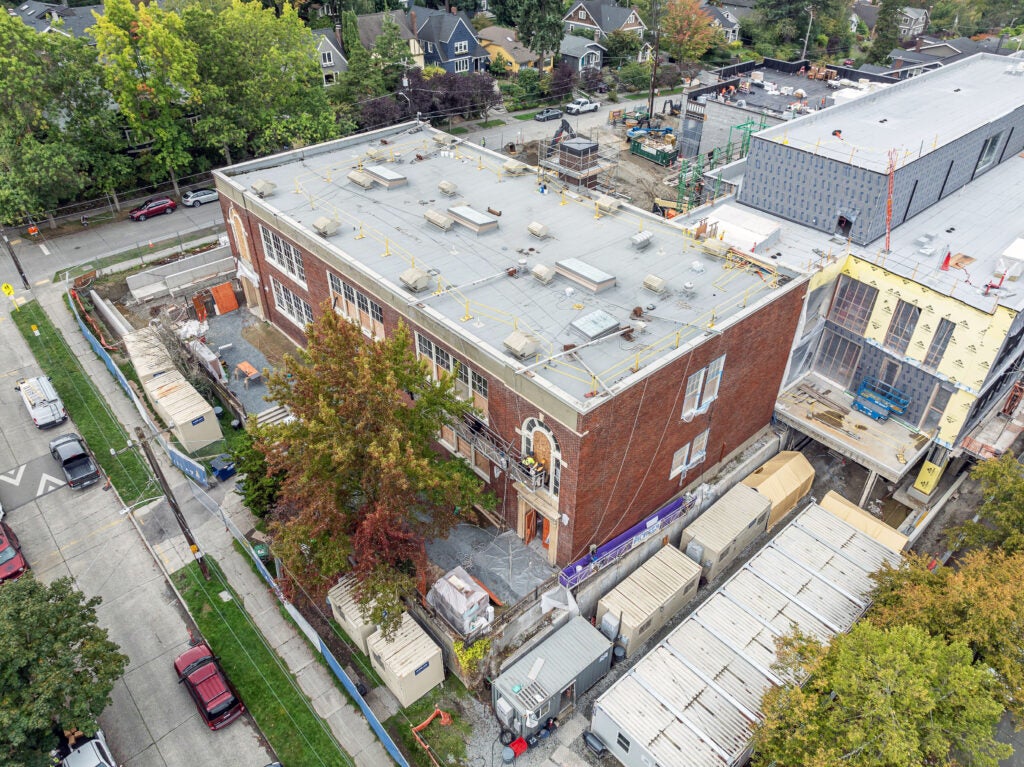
47 281
14 480
43 480
46 250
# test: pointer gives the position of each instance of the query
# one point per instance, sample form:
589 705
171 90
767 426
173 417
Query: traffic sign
7 288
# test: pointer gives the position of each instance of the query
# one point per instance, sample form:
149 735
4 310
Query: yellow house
505 42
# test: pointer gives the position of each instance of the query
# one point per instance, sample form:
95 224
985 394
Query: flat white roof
917 115
695 698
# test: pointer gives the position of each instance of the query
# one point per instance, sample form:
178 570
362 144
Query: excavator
564 132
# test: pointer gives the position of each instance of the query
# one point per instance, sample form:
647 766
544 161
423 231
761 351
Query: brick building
614 357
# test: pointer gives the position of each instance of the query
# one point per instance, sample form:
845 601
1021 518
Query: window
713 381
679 459
699 449
853 303
692 397
623 742
988 153
479 385
291 305
837 357
283 255
358 307
937 406
430 47
443 359
461 65
904 320
939 343
326 59
582 15
330 78
461 46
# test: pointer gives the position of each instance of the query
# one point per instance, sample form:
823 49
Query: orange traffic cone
945 261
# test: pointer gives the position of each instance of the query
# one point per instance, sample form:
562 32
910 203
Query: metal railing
499 451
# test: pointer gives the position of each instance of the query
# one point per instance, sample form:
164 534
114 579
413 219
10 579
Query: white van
42 401
91 752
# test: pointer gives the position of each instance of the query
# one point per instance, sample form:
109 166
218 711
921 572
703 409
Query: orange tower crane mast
893 154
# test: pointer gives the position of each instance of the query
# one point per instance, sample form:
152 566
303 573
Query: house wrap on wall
623 355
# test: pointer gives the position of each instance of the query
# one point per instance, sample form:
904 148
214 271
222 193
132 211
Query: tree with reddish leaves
363 487
380 113
686 30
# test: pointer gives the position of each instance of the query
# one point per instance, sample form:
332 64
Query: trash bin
223 467
262 551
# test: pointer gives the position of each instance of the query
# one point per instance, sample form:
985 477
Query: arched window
540 442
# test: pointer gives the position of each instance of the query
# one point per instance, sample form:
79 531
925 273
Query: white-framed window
430 47
713 381
468 382
680 460
582 15
699 448
357 306
282 254
461 46
330 78
692 397
988 153
461 65
289 304
532 430
689 455
326 59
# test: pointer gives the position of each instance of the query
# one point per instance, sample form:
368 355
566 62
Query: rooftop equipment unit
415 279
438 219
641 240
447 188
522 344
543 273
538 230
607 204
443 139
359 178
263 188
654 284
515 168
325 226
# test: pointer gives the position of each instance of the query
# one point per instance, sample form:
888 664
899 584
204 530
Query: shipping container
732 523
345 609
410 664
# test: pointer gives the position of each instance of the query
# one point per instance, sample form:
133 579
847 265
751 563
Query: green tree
361 476
540 26
887 34
1001 514
636 76
151 72
260 488
686 28
622 46
499 65
879 698
363 79
506 12
980 603
57 667
391 53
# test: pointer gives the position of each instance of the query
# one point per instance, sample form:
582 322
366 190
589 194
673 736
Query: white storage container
718 535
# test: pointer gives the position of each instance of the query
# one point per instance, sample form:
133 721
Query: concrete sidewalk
347 723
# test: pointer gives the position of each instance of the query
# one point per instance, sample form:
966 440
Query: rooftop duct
522 344
415 279
325 226
359 178
438 219
263 188
543 273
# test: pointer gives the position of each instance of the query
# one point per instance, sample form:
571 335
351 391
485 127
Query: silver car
197 197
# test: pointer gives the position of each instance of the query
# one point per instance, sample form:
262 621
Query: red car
12 563
153 207
213 694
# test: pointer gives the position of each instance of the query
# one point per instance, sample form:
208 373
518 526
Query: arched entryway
538 507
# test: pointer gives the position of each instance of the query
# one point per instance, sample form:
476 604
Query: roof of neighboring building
508 39
370 26
866 12
594 246
327 38
606 13
577 47
438 27
694 699
926 112
719 15
406 650
41 17
915 13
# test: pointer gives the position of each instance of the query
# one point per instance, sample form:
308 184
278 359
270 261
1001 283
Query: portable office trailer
345 609
718 535
191 417
695 698
784 480
547 681
148 354
410 664
635 609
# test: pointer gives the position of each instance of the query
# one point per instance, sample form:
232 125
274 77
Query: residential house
723 20
602 17
370 26
607 378
912 22
866 12
581 53
505 42
332 57
932 53
48 18
739 9
448 39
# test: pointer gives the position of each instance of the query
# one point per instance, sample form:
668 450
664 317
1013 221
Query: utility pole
147 450
656 19
14 257
807 37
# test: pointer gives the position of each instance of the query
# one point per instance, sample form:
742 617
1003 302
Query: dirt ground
272 342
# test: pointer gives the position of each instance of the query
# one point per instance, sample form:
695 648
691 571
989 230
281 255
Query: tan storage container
718 535
345 609
410 664
784 480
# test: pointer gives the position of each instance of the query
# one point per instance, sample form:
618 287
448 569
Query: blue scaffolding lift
879 400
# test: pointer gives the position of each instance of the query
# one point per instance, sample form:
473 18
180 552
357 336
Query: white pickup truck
581 105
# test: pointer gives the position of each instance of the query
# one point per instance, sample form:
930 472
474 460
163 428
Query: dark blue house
448 39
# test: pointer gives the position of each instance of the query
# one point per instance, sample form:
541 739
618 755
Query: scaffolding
691 186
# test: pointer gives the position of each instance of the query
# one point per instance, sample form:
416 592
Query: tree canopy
1001 514
880 697
57 666
540 25
887 34
363 488
686 30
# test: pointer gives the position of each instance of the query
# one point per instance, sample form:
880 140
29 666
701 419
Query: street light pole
807 37
171 500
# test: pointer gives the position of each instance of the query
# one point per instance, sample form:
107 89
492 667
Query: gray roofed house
604 16
581 53
332 57
448 39
724 20
47 17
912 22
740 9
866 12
370 26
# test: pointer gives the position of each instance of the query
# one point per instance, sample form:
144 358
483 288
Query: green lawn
458 130
447 743
492 123
527 116
284 715
127 470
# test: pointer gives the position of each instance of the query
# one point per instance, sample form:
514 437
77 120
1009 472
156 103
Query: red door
530 525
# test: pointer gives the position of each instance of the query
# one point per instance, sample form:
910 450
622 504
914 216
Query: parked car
548 113
12 562
196 197
42 401
90 752
581 105
152 207
80 469
200 672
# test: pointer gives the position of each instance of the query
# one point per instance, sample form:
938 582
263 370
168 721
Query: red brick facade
616 460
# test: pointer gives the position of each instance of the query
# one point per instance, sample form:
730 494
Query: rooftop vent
522 344
438 219
359 178
654 284
385 176
607 204
415 279
447 188
263 188
443 139
515 168
538 230
595 325
641 240
543 273
325 226
584 274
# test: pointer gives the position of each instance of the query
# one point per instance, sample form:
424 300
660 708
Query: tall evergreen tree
363 79
887 32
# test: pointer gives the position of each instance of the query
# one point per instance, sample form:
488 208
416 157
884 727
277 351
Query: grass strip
447 743
127 470
491 123
298 736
